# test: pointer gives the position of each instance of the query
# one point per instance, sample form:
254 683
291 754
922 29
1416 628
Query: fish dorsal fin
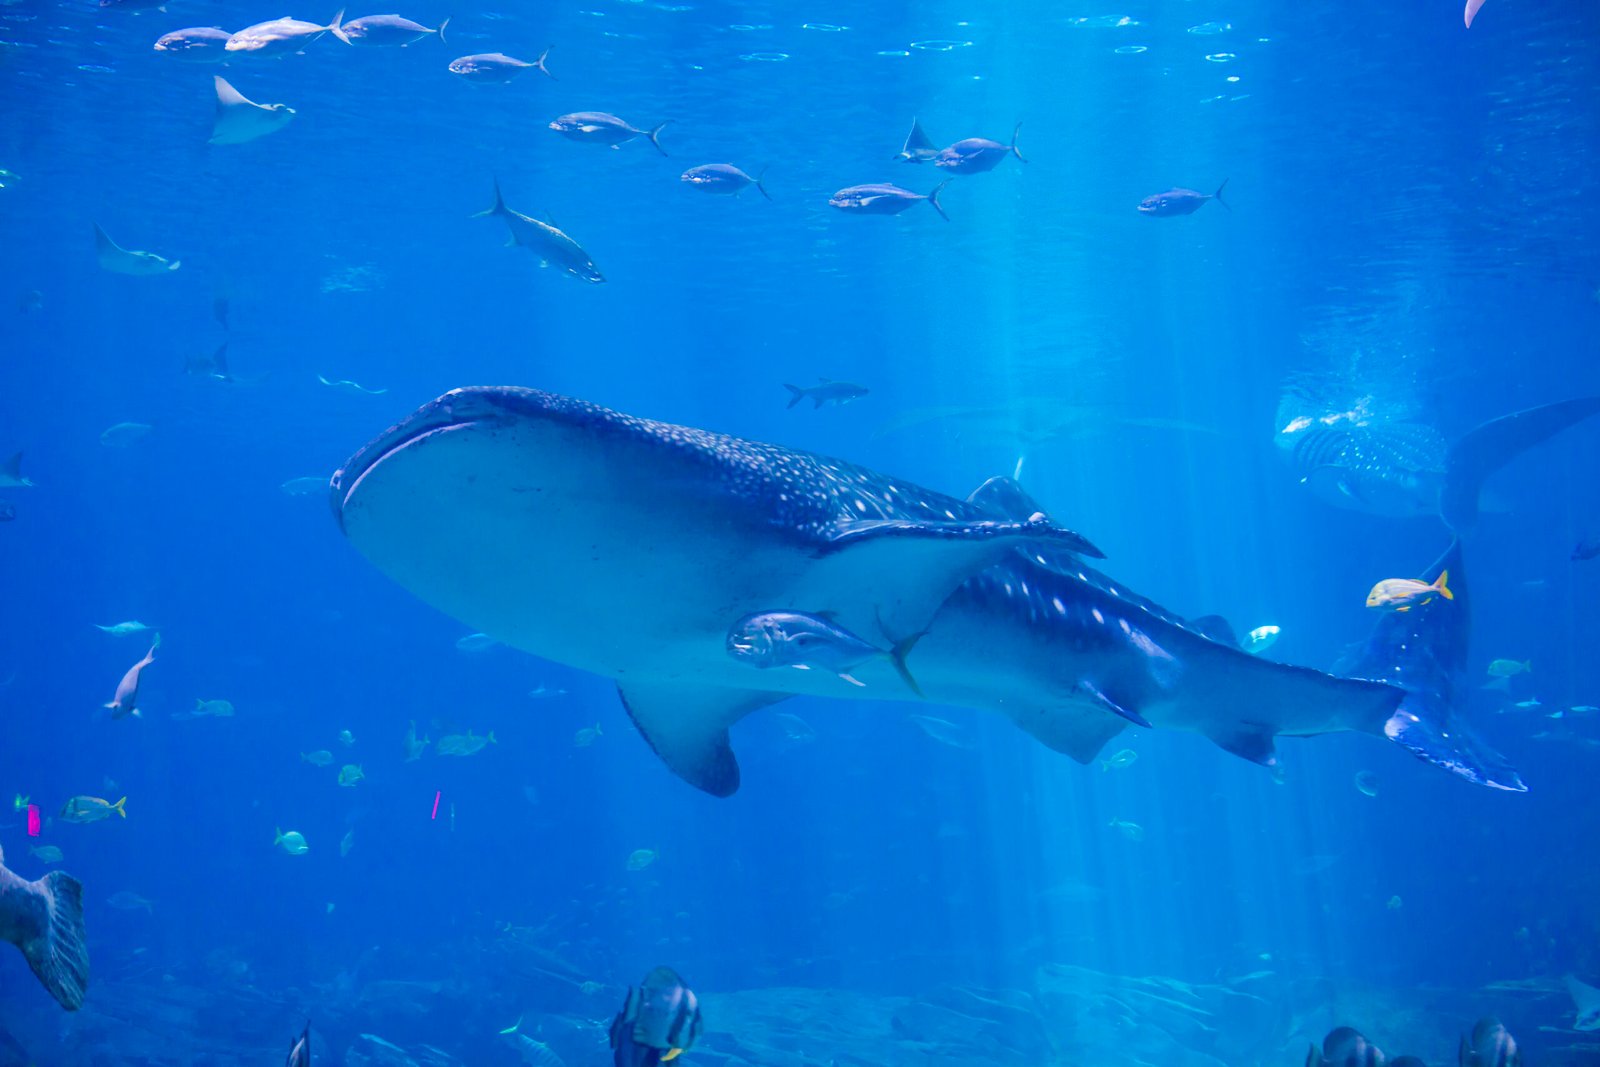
1071 729
687 726
1217 628
1005 498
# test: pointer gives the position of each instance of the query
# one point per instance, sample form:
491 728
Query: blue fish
722 178
628 548
884 199
977 154
1180 202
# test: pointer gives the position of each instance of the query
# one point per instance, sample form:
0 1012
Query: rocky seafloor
1065 1015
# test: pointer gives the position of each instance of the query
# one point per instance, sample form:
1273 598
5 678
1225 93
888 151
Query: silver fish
126 702
553 247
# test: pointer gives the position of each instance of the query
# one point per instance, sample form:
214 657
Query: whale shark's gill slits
1388 468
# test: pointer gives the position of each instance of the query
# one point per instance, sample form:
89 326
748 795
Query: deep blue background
1415 217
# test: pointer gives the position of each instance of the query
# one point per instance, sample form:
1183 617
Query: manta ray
628 547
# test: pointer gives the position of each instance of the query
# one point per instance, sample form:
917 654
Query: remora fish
239 120
554 248
1405 469
121 260
45 920
682 531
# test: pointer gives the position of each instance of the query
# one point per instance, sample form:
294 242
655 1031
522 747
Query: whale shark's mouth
440 416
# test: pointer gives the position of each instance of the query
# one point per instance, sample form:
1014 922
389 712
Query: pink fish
1472 9
126 701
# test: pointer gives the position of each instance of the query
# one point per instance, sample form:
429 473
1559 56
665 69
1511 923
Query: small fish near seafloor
87 809
44 919
300 1050
1489 1045
1016 618
660 1018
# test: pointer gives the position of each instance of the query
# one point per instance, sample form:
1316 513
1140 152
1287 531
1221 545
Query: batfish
628 547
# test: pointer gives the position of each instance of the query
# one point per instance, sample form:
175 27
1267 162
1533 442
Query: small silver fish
770 639
497 67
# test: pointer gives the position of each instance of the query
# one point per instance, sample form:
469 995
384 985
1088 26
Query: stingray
628 547
240 120
119 260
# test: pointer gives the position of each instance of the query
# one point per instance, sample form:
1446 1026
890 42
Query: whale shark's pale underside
628 547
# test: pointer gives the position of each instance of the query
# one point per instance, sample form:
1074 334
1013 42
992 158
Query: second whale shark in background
628 547
1408 468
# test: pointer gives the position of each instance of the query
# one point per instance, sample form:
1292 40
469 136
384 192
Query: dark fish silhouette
1346 1047
826 391
1489 1045
1588 548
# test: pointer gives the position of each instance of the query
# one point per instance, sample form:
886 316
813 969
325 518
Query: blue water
1414 220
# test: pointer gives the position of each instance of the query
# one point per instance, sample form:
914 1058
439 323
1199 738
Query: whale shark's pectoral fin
1035 530
1074 730
687 726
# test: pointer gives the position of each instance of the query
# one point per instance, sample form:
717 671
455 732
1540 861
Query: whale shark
628 547
1404 469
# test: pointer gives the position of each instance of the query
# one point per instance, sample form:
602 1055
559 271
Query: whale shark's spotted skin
628 547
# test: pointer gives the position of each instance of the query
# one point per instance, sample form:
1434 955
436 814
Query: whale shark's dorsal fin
1217 628
687 726
1005 498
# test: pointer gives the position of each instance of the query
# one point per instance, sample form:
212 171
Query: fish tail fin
933 199
55 947
760 188
797 394
1013 146
336 27
155 643
1217 196
897 656
1486 449
499 207
1443 585
120 807
491 738
277 835
544 69
440 31
655 135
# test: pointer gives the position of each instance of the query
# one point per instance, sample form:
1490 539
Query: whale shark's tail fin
1471 460
1424 651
